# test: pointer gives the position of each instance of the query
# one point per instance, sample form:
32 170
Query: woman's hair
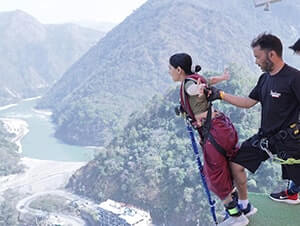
184 61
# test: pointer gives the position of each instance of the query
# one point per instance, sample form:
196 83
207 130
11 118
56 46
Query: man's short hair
268 42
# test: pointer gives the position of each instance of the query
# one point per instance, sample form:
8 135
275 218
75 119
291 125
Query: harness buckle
264 145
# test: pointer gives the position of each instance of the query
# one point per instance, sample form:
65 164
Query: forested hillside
33 56
129 65
150 163
9 158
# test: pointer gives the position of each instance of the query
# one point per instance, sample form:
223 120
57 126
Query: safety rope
200 167
289 161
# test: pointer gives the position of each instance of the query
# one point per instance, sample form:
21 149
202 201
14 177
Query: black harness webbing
265 144
204 131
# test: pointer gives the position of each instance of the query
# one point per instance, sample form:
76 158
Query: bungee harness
293 131
204 130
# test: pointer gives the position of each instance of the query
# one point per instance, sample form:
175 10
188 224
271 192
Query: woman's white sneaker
241 220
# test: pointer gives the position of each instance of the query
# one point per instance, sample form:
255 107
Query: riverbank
18 127
40 175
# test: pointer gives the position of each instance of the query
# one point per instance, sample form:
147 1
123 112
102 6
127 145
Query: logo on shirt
275 94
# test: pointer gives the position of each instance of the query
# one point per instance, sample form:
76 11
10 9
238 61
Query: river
39 142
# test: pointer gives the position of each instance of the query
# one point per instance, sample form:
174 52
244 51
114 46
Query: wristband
222 95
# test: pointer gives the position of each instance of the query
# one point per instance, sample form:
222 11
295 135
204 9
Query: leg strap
233 209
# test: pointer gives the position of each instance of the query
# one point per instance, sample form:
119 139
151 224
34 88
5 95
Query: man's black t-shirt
279 96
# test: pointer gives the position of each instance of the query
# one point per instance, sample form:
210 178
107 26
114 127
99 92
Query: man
296 47
278 92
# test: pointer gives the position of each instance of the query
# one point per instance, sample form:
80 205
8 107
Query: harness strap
234 211
184 99
289 161
292 131
264 145
205 129
216 145
265 148
207 135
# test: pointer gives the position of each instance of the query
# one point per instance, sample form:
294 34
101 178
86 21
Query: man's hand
214 94
200 87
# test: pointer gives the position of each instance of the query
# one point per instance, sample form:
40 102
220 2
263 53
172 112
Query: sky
61 11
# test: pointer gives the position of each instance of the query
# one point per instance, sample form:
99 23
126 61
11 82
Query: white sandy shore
32 98
12 105
40 175
43 112
7 106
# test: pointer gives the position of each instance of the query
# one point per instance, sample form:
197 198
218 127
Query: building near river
112 213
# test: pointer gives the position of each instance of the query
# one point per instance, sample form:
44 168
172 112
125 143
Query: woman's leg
240 180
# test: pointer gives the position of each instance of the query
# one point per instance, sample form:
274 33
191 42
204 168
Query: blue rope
200 167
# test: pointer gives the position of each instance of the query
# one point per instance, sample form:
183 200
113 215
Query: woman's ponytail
197 68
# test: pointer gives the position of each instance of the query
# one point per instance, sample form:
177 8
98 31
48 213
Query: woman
216 164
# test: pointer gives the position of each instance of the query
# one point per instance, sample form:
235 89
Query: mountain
99 26
129 65
33 56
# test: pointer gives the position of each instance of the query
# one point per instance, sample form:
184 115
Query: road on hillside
23 206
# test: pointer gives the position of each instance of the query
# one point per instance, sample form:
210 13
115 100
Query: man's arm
243 102
217 94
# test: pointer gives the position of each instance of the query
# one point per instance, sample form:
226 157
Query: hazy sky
58 11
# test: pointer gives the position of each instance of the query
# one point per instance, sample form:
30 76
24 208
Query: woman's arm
216 79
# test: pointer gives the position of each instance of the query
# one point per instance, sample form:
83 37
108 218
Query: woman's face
175 74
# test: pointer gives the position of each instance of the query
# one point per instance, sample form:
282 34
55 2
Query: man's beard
268 66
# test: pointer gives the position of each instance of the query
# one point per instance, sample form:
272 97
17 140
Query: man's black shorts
250 155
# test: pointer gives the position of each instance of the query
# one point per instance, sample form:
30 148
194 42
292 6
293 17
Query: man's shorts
290 148
250 155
